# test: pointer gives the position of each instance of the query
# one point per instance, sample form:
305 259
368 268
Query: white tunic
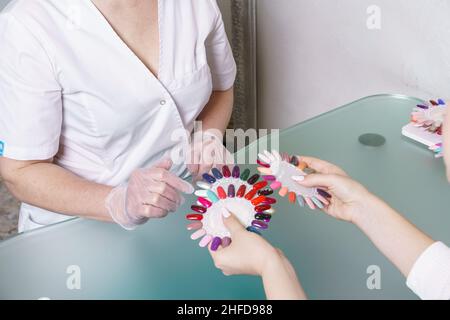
71 89
430 276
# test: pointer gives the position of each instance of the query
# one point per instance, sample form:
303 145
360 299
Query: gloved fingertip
188 188
169 162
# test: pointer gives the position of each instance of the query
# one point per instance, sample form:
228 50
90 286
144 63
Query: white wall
314 55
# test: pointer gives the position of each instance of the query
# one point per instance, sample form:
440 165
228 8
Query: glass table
159 261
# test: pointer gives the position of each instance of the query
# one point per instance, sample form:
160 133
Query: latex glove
248 254
349 198
150 193
205 151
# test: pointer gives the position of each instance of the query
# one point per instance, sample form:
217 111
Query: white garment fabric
71 89
430 276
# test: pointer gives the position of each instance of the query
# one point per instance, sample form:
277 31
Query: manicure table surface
333 259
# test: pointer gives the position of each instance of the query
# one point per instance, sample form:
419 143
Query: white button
162 102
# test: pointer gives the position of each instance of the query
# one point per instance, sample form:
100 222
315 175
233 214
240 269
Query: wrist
116 205
273 262
369 206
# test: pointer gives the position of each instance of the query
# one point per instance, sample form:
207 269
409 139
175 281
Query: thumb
232 223
165 163
317 180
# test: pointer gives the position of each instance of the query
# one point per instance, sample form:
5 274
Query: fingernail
226 213
298 178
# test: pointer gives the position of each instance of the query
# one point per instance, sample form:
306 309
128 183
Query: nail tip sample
245 174
217 174
236 172
198 209
194 217
215 243
212 196
203 185
226 171
252 180
231 191
253 229
208 178
205 241
226 241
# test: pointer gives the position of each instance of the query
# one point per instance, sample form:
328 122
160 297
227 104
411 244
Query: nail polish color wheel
236 191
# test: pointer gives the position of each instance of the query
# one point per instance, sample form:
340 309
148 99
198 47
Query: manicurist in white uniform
94 96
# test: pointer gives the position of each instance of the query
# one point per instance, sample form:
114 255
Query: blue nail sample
208 178
253 229
216 172
301 201
441 102
317 202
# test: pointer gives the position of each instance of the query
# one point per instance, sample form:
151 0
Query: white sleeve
30 96
220 55
430 275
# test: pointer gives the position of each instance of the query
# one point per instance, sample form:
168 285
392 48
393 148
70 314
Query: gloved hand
205 151
150 193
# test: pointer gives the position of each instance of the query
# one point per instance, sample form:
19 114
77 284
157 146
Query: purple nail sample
226 241
236 172
323 193
231 191
259 224
216 242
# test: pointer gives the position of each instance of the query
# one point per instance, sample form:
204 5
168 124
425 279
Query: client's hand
248 253
349 198
251 254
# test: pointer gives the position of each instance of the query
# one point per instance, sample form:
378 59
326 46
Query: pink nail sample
198 234
205 241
